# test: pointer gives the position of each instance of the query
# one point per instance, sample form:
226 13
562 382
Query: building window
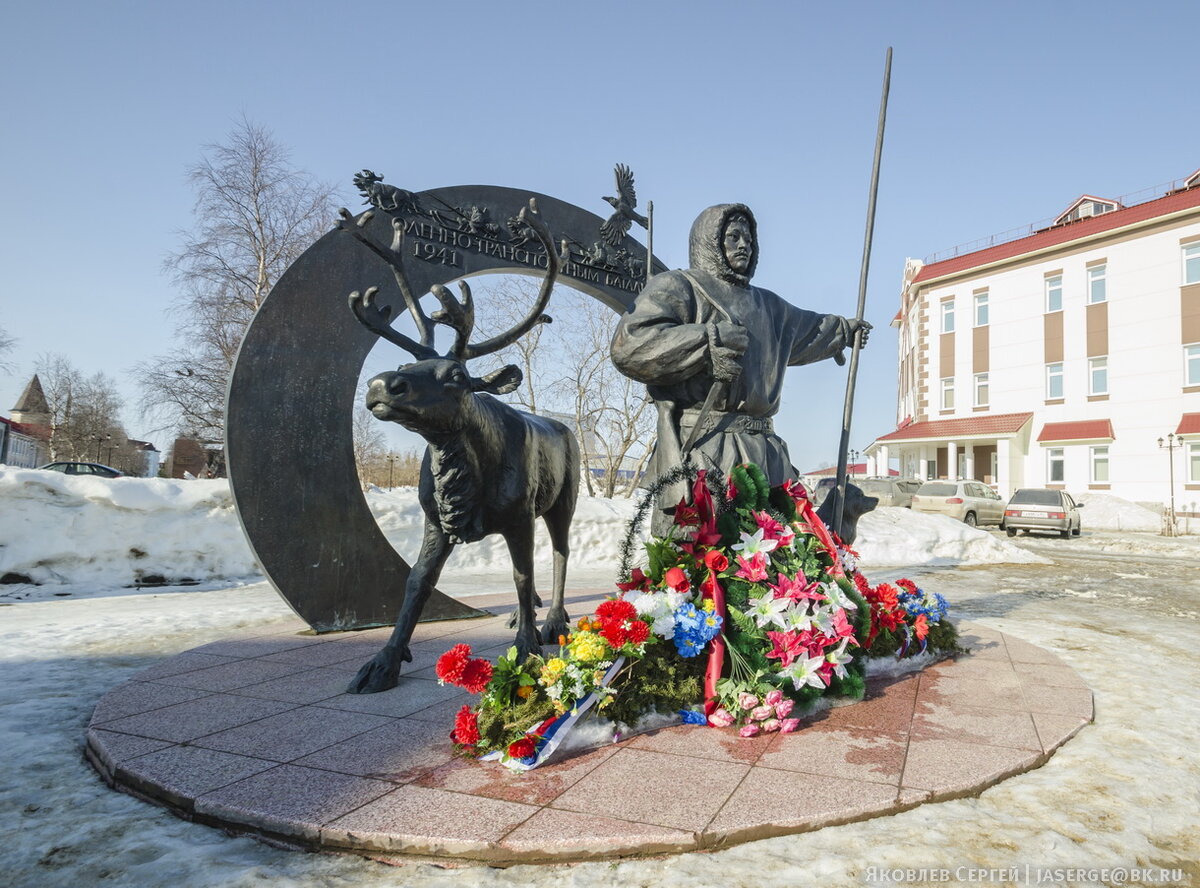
1054 293
1054 465
1191 263
1097 376
1100 465
1097 290
1191 364
981 389
948 316
948 393
1193 453
1054 382
981 309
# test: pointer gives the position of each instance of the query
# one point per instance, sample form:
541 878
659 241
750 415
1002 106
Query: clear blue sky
1001 114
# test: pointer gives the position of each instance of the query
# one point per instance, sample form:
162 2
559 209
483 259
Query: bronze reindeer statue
488 468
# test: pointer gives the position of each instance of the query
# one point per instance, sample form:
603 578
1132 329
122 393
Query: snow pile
57 528
1103 512
892 536
108 533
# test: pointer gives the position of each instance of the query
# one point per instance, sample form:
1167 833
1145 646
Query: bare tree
85 413
6 345
255 214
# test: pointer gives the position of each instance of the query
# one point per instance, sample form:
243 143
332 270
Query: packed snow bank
892 536
57 528
109 533
1103 512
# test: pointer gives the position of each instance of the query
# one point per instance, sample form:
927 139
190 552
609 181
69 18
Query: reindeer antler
376 319
392 257
533 219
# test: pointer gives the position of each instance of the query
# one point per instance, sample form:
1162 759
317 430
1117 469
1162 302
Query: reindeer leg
520 547
383 672
558 523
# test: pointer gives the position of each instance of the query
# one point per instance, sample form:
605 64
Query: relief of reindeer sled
488 468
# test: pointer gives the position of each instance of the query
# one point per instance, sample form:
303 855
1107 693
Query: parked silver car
896 492
971 502
1038 508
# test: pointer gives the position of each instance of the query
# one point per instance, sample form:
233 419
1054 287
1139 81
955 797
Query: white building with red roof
1060 357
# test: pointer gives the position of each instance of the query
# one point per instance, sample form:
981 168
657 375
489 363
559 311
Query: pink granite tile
258 646
186 721
947 690
289 800
289 735
551 834
134 697
189 661
996 671
112 749
325 653
415 819
647 787
703 742
913 796
951 767
994 727
845 752
887 708
771 802
309 686
982 642
541 786
1059 701
179 774
1046 674
411 698
229 676
1020 651
399 752
1055 730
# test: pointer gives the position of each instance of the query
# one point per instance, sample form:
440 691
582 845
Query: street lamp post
854 455
1171 444
391 462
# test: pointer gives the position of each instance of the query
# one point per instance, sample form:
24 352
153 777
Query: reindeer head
433 395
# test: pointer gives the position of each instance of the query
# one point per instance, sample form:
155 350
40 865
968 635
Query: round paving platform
256 735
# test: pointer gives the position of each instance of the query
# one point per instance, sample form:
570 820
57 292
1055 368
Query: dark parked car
83 468
1037 508
890 491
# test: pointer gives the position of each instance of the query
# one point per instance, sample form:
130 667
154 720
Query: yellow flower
552 671
708 605
588 647
524 691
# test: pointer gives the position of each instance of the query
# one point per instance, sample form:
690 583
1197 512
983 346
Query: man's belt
726 423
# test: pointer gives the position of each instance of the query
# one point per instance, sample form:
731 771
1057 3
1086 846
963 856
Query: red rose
451 664
466 728
677 579
476 675
715 560
526 747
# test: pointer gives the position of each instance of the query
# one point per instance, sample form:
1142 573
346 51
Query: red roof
1189 424
858 468
998 425
1171 203
1083 430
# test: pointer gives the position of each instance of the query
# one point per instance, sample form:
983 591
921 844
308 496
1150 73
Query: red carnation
677 579
476 675
466 728
615 634
861 584
908 586
451 664
616 610
638 632
715 560
526 747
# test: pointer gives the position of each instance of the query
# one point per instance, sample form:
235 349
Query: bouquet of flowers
746 612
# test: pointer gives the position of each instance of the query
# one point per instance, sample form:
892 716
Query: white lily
835 594
804 672
769 611
839 658
752 543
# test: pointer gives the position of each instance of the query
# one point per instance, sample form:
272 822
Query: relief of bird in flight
614 230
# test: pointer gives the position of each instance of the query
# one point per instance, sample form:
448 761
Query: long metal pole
848 409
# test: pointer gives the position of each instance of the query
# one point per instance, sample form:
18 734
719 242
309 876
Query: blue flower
691 717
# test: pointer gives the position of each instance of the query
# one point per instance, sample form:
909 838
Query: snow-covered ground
1122 793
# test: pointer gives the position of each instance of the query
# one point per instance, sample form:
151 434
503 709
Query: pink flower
747 701
754 569
841 625
787 725
784 708
771 725
773 698
748 731
721 718
760 712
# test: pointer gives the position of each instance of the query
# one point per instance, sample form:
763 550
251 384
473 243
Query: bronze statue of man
706 336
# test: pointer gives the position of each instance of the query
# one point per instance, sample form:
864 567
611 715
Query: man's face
738 244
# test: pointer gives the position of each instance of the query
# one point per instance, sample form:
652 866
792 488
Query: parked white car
971 502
